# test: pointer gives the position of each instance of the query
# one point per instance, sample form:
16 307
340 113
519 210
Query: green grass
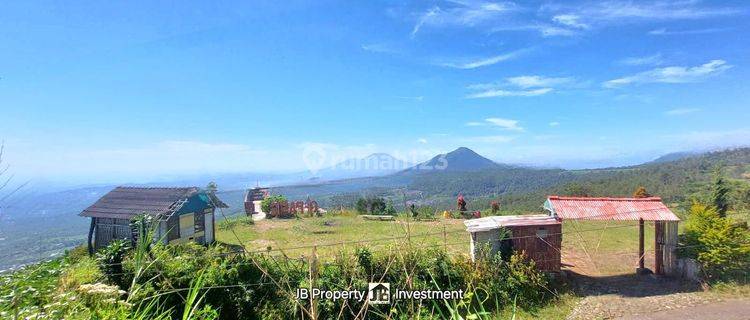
348 228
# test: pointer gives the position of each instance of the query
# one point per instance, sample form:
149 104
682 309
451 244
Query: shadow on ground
629 285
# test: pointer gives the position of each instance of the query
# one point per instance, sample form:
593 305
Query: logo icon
379 293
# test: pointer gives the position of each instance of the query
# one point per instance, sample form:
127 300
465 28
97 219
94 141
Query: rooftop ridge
603 198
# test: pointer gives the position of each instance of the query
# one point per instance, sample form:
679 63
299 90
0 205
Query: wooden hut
182 214
538 236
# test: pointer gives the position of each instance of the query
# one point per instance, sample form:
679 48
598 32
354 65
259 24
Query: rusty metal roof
126 202
626 209
495 222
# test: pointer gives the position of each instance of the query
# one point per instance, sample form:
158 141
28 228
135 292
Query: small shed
626 209
538 236
253 199
183 214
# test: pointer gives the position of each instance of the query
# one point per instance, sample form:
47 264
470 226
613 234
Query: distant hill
461 159
674 156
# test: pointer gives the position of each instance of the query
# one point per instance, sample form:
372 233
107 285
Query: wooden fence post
313 277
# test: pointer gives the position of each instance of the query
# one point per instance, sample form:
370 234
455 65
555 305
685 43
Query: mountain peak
461 159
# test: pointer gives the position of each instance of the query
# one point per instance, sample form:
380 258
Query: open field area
591 247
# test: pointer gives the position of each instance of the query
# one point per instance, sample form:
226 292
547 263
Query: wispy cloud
422 140
666 32
676 74
501 123
554 124
652 60
461 14
570 20
379 48
520 86
681 111
509 93
483 62
414 98
506 124
602 13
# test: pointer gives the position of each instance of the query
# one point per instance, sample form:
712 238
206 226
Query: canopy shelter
625 209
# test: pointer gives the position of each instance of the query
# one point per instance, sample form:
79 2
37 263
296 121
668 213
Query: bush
265 205
716 243
372 205
110 260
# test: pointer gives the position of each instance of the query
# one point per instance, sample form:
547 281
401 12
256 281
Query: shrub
110 260
716 243
265 205
495 207
372 205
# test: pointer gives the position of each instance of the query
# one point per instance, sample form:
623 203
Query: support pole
89 245
640 246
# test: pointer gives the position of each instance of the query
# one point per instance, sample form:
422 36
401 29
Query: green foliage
373 205
722 248
110 260
233 222
211 187
265 205
494 207
389 208
641 193
720 195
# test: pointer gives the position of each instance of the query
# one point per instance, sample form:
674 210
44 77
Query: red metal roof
585 208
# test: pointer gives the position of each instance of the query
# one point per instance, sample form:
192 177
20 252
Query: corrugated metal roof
585 208
495 222
126 202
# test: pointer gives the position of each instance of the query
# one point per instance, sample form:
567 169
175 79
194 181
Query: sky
108 90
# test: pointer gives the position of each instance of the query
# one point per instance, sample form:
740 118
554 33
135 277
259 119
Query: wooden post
313 277
658 246
640 244
90 245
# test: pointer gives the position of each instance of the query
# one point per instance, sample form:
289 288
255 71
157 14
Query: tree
211 187
377 205
641 193
495 207
361 206
577 190
720 195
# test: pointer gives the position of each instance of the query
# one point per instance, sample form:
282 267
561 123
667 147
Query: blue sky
125 90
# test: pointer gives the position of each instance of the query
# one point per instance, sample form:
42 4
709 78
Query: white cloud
554 124
710 139
570 20
422 140
520 86
482 62
506 124
681 111
617 12
509 93
415 98
379 48
666 32
652 60
526 82
462 14
675 74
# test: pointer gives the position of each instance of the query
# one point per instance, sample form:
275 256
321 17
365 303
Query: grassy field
591 247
